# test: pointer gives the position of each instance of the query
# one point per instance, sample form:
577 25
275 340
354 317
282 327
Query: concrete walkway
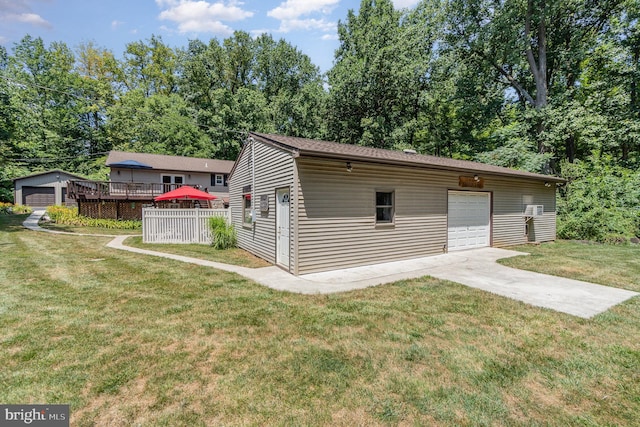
475 268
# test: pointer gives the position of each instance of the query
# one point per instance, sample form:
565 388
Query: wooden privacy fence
178 225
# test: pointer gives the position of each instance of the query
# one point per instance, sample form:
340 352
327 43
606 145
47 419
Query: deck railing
99 190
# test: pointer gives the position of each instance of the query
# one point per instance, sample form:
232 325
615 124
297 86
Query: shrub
6 208
600 202
9 208
69 216
223 234
22 209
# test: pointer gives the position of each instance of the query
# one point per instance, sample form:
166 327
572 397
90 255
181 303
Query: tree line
548 86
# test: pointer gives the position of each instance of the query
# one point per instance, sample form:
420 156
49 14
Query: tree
159 124
379 74
150 67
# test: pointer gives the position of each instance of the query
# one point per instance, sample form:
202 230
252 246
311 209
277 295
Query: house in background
311 206
136 178
43 188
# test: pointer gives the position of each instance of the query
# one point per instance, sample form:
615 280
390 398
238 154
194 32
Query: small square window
219 180
384 207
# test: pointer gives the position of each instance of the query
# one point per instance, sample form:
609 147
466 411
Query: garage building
310 206
42 189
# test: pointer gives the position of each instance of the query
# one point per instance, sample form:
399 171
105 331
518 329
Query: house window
173 179
384 207
246 209
220 180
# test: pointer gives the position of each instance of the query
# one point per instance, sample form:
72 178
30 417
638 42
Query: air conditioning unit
534 210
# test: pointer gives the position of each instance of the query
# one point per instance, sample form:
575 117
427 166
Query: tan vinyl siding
336 211
274 169
337 225
510 199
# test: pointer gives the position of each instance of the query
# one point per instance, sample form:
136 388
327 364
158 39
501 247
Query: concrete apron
475 268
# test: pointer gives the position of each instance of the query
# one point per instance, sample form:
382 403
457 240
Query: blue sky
309 25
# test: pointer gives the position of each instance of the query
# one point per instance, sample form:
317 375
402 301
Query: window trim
245 223
392 206
172 178
219 180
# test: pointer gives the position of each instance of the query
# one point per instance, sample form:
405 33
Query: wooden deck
108 190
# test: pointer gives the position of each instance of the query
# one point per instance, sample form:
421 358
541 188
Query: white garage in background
469 220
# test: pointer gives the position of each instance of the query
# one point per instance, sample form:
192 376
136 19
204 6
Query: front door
282 227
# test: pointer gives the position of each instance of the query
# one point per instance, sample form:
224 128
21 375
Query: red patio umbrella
185 193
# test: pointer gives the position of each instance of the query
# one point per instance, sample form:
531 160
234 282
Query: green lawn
234 256
128 339
612 265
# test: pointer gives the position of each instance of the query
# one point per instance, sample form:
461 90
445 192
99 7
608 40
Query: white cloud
291 12
293 9
401 4
27 18
202 16
19 11
306 24
115 24
333 36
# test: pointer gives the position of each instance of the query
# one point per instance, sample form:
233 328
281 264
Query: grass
612 265
133 340
233 256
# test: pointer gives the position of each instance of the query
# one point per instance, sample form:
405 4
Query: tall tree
380 71
150 66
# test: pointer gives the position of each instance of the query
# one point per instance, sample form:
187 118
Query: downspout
253 179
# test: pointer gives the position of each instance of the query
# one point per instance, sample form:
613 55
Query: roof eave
345 157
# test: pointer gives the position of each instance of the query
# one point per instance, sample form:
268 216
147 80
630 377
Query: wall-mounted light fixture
547 184
476 178
349 167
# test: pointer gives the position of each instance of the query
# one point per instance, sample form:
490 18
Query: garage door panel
468 220
38 196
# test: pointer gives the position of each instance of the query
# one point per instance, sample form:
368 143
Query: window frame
247 220
172 178
391 207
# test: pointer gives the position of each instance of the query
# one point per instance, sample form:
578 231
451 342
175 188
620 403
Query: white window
219 180
384 207
247 218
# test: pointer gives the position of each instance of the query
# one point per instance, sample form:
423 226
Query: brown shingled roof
172 163
327 149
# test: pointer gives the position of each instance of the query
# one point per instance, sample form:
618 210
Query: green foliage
223 233
601 202
9 208
69 216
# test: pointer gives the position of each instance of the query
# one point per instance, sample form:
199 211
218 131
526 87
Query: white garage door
469 220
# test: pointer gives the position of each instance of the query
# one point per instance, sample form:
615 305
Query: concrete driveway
475 268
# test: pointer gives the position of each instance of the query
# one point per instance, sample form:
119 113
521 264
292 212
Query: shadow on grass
12 223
